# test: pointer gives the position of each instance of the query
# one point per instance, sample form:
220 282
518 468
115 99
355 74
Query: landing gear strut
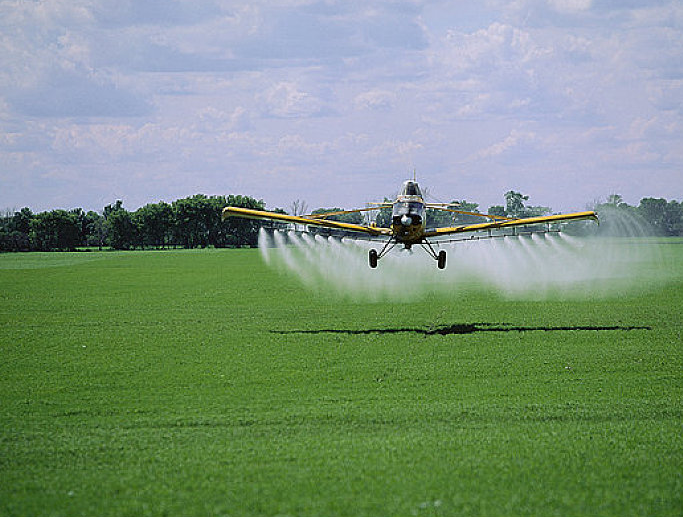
374 256
440 257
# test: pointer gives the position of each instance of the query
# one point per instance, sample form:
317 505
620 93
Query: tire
441 261
373 258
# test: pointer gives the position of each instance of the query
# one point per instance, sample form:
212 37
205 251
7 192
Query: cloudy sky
337 102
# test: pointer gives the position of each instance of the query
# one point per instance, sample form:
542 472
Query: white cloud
286 100
375 100
570 6
217 121
514 139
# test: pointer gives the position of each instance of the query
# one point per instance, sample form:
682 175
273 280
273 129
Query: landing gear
441 259
374 256
373 259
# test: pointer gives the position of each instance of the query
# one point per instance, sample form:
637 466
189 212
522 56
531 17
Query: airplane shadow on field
461 328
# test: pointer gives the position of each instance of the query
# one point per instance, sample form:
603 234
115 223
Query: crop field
205 383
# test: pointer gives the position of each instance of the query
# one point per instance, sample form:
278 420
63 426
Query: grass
204 383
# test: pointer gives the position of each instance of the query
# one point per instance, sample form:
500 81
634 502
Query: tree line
191 222
195 221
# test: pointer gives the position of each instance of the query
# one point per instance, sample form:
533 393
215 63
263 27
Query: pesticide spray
615 258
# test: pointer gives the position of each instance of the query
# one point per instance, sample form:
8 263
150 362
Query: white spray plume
616 259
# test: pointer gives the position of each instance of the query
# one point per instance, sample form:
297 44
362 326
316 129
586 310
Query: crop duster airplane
408 223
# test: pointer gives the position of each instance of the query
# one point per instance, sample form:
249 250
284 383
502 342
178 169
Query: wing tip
225 213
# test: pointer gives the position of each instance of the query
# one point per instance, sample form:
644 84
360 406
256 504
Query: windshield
410 188
408 208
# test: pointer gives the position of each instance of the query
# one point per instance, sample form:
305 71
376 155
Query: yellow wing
233 211
438 232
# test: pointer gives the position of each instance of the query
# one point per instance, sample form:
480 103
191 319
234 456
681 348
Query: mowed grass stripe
162 383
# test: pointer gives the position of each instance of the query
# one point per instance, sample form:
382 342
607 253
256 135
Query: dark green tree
193 217
218 230
154 223
94 229
497 210
653 211
514 203
82 223
352 218
673 218
5 241
57 230
21 221
18 231
121 232
110 208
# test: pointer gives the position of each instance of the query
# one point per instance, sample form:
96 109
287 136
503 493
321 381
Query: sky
335 103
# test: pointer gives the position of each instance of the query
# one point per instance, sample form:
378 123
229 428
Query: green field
205 383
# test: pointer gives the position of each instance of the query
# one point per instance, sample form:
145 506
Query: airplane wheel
373 259
442 259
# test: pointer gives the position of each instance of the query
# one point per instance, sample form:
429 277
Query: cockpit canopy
409 203
410 188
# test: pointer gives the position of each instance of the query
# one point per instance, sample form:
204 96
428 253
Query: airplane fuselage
409 215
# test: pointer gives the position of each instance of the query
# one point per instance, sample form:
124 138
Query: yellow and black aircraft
408 222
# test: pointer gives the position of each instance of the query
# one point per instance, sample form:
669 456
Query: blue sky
336 103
